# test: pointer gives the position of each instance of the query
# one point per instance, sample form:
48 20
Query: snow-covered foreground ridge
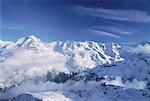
73 71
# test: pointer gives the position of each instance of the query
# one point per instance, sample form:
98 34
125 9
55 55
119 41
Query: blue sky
100 20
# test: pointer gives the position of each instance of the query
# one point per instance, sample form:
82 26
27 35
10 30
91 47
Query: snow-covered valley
32 70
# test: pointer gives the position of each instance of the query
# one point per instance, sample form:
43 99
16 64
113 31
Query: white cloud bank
142 49
26 64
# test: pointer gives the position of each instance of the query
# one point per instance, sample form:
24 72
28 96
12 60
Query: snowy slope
73 71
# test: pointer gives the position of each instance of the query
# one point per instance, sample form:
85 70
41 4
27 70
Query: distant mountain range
32 70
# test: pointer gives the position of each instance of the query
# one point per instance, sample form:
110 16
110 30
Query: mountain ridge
32 62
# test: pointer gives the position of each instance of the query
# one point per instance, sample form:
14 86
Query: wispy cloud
104 33
114 29
117 14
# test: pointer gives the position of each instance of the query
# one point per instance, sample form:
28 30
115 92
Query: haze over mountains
31 69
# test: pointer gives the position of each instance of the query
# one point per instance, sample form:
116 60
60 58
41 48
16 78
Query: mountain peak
34 38
29 42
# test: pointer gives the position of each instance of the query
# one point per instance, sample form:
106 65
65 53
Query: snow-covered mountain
31 69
